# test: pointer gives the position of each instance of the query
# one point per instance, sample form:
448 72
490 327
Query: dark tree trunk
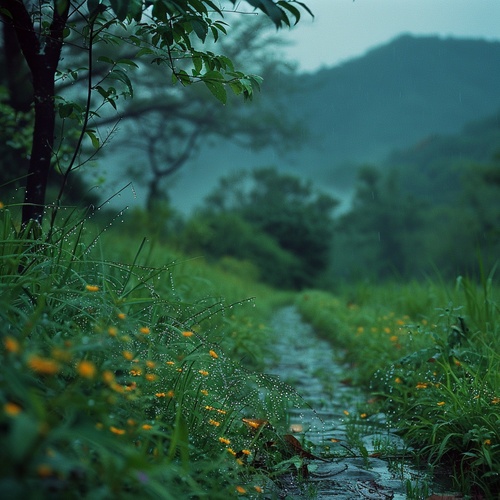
42 56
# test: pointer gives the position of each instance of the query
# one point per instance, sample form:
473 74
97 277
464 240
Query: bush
227 234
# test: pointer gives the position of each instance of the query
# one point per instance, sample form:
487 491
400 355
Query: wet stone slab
309 364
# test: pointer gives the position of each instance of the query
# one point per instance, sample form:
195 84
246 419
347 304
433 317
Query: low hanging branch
158 31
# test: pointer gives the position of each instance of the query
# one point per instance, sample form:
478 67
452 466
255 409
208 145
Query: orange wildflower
11 344
44 366
86 369
12 409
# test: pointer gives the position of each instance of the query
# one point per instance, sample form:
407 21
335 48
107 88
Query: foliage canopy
160 32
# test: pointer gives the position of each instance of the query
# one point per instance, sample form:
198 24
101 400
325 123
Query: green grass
127 370
432 356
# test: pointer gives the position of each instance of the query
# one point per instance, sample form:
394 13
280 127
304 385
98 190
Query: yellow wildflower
121 315
170 394
441 403
12 409
44 366
128 355
112 331
150 377
421 385
160 395
150 364
214 422
246 452
203 372
86 369
258 489
398 380
147 427
187 334
487 442
144 330
11 344
213 354
241 490
116 430
224 440
92 288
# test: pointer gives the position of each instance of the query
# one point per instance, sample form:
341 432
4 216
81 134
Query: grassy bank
128 370
432 354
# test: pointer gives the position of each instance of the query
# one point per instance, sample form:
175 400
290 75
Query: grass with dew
133 379
431 354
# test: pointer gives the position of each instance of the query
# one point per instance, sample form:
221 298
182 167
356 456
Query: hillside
390 98
432 168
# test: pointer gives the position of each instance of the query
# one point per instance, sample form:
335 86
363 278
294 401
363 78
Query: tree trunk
42 55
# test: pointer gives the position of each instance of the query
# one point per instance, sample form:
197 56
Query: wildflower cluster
97 366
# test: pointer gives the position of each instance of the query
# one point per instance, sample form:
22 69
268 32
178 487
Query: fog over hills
359 112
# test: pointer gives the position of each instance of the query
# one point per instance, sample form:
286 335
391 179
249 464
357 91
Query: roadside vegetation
131 366
130 370
430 354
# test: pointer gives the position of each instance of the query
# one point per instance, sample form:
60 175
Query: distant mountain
399 93
360 111
432 169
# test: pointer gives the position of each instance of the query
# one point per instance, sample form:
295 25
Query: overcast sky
343 29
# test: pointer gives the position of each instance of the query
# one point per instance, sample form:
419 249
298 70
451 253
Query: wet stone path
308 364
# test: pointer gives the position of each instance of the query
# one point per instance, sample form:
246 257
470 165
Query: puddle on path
308 364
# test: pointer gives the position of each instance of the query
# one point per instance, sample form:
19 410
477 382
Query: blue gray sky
343 29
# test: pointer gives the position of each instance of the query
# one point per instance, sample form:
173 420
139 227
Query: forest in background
410 136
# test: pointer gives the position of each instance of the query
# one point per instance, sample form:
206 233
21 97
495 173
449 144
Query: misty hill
432 169
360 111
399 93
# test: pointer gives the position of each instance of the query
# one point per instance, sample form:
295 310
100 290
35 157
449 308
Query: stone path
308 364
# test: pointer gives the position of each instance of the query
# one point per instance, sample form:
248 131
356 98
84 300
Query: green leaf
290 8
93 138
198 65
61 6
120 75
105 59
120 8
213 75
218 90
199 6
200 28
182 77
269 8
65 110
127 62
